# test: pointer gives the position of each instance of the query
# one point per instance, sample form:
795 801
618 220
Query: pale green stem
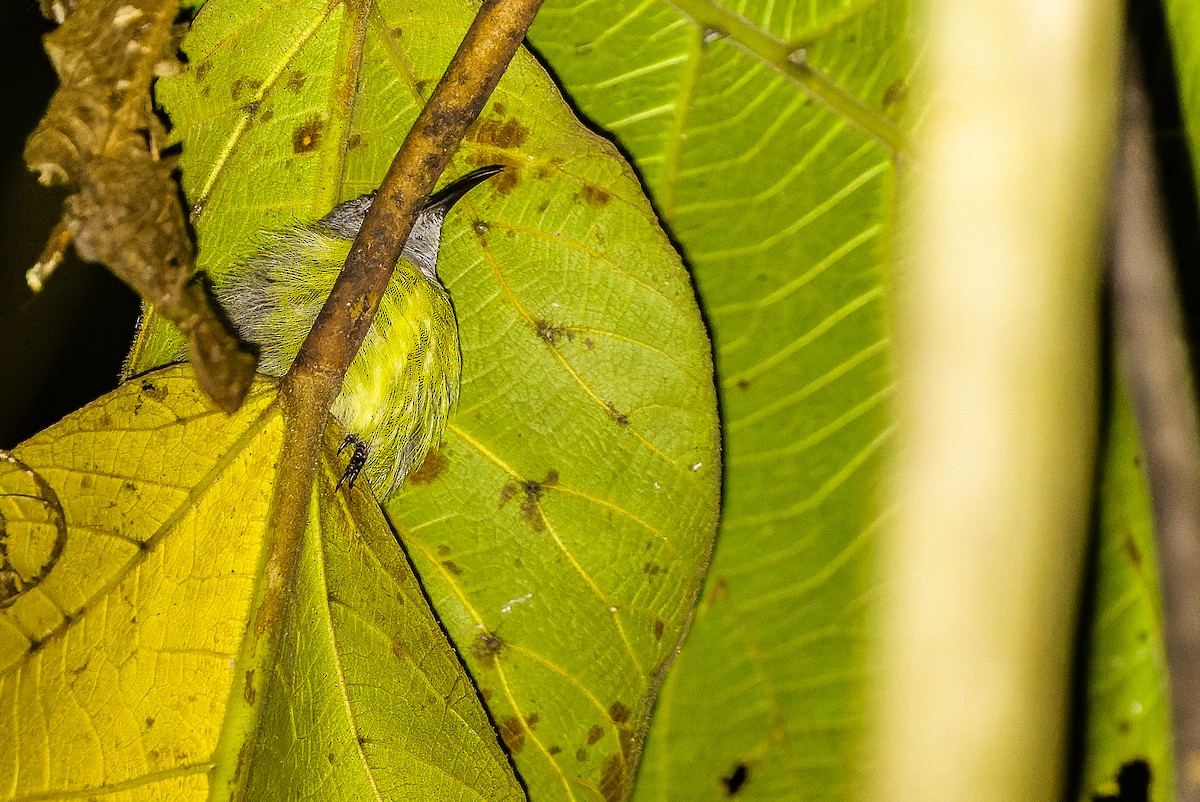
788 59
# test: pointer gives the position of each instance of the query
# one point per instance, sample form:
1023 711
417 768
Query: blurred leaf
562 529
783 208
1183 27
131 664
1129 707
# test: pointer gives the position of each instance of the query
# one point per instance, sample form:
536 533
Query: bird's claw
357 460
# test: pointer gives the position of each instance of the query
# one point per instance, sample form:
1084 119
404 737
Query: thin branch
315 379
456 102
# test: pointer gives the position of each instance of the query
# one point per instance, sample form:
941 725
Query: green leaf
562 529
1183 27
128 659
776 180
1129 706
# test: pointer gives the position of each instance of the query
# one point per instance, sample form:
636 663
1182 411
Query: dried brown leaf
100 137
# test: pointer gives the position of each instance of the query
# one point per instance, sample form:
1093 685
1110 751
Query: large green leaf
776 181
562 529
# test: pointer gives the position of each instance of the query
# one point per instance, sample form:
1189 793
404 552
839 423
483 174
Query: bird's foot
357 460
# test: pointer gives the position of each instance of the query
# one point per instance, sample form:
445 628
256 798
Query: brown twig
309 388
456 102
316 375
1154 354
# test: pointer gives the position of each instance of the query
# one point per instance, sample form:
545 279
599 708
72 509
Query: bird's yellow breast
404 381
402 384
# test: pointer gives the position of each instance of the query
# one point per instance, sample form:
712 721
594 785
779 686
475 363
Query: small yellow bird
404 381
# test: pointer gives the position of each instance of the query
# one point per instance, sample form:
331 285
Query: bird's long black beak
448 195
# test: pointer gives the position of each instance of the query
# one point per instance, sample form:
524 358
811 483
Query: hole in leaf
736 779
1133 784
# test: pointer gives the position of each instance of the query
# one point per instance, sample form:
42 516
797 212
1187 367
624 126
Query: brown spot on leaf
581 754
594 734
531 721
550 333
619 417
433 466
1131 549
248 693
485 694
619 713
500 109
243 85
203 70
252 107
743 384
486 647
512 732
355 141
659 628
736 779
306 137
295 82
554 750
594 196
531 506
587 342
507 135
149 722
507 492
612 778
152 390
267 116
443 550
650 569
453 567
895 93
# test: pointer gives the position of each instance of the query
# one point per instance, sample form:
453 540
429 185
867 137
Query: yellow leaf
136 545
